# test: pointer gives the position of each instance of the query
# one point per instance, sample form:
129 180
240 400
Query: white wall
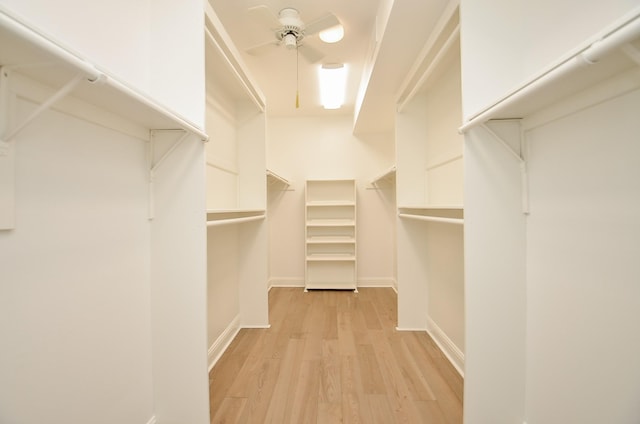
223 302
75 288
583 291
495 288
304 148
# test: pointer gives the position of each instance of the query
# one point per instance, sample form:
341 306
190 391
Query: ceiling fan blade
265 15
311 54
321 24
262 48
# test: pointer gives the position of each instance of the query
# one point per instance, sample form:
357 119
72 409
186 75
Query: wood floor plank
305 396
229 411
372 380
330 390
261 388
334 357
280 406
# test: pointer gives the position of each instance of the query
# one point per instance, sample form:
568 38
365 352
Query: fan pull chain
297 79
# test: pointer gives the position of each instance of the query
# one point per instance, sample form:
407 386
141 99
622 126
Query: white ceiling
397 47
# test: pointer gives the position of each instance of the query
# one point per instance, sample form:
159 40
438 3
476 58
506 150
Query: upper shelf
615 52
27 51
443 214
388 177
225 64
275 179
237 216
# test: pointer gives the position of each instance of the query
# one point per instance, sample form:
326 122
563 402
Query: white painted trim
256 326
377 282
446 345
285 282
223 341
152 420
410 329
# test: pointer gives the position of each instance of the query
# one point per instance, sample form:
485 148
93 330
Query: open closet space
330 211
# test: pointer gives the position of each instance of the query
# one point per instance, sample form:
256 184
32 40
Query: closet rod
616 39
233 220
458 221
41 41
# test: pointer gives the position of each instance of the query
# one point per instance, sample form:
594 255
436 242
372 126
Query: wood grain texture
334 357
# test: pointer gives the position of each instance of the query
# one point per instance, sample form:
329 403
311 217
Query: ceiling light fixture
333 84
333 34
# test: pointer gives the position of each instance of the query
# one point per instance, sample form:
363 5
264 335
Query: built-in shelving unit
429 147
430 191
330 231
236 183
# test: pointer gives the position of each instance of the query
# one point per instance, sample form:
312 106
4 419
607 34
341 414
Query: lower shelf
340 275
332 285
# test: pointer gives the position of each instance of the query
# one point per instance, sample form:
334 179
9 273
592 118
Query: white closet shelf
387 177
27 51
331 203
331 223
331 257
616 51
444 214
275 179
330 240
235 216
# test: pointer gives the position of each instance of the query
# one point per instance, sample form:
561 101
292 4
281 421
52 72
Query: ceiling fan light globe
290 41
332 35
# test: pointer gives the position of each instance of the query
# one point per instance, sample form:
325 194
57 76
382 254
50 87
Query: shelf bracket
155 164
519 157
5 74
632 52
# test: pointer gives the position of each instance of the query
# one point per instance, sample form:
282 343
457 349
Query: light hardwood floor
334 357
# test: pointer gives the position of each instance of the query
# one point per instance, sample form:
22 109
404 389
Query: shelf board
333 285
614 53
387 177
24 49
235 216
275 179
330 240
331 203
331 223
331 257
441 214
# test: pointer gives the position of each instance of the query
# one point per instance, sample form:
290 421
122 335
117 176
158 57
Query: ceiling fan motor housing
292 31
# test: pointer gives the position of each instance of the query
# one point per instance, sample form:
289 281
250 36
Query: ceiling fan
289 30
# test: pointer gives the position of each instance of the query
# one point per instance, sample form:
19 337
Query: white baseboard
362 282
377 282
410 329
223 341
285 282
446 345
152 420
